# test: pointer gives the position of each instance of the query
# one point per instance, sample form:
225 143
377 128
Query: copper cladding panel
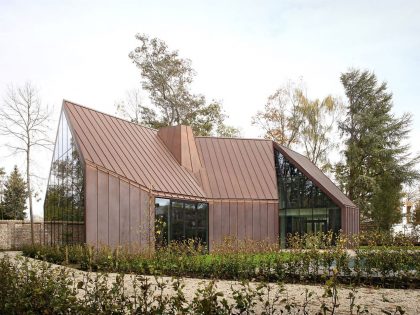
134 218
103 208
124 213
116 211
243 220
256 221
350 221
248 220
91 204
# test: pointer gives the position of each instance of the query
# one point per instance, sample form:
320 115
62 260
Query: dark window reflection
304 208
177 220
64 202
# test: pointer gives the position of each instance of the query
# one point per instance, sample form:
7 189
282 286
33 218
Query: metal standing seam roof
316 175
235 168
129 150
238 168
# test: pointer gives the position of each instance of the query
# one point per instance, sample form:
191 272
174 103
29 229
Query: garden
317 274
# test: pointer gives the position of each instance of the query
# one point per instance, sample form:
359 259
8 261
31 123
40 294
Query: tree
13 205
319 118
412 200
132 108
281 118
293 120
416 214
64 200
168 78
2 174
377 161
23 118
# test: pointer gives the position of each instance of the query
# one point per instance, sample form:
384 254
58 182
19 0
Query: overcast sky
241 50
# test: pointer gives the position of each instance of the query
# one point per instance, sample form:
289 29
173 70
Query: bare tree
132 108
23 118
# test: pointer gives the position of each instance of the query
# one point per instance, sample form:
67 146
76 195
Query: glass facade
303 207
64 210
177 220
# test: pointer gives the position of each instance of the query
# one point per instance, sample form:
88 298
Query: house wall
243 219
350 220
117 211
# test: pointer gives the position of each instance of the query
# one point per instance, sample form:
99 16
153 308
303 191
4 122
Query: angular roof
316 175
231 168
130 151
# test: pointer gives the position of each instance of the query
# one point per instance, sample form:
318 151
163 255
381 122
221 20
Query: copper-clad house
113 182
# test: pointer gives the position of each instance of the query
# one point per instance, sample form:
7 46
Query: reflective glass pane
64 201
177 228
303 207
184 220
161 221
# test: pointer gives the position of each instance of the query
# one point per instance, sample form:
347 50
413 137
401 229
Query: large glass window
177 220
303 207
64 200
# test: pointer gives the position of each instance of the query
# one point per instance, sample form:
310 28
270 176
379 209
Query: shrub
310 259
34 287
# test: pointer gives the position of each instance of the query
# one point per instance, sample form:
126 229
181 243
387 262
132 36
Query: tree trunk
28 181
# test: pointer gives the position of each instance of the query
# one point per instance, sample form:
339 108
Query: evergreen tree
2 176
377 162
14 201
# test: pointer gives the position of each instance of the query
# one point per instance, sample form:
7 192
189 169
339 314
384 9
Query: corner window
303 207
64 206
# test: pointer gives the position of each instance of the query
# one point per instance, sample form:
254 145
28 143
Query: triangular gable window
303 207
64 207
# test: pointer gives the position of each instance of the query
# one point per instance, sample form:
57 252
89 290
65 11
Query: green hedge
386 268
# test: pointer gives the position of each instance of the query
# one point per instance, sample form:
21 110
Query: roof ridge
103 113
233 138
287 148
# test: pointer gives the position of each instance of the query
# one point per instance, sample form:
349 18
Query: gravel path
375 299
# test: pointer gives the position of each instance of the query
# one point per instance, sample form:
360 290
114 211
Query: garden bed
107 293
394 268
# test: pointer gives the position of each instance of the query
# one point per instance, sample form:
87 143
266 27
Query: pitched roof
231 168
316 175
238 168
129 150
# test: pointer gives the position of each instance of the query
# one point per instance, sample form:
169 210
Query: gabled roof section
316 175
238 168
130 151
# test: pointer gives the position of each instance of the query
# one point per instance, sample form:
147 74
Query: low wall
15 233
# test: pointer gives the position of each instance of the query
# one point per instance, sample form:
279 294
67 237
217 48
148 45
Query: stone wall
15 233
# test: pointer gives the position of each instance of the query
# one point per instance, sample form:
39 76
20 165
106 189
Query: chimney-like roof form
130 151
